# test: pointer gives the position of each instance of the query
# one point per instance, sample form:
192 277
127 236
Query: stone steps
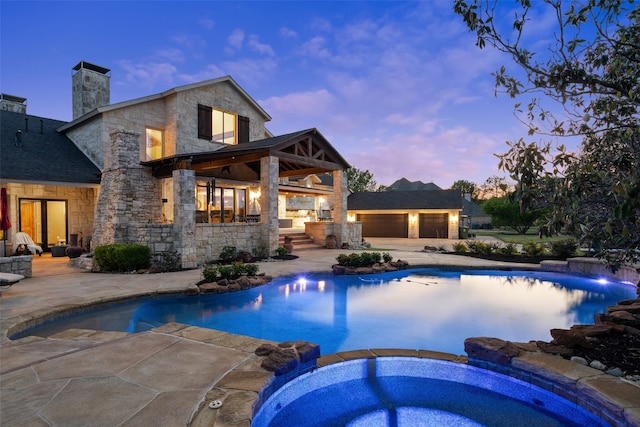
301 242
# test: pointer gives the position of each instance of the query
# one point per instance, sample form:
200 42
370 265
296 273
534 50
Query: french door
44 220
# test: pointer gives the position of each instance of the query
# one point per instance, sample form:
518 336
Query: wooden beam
308 162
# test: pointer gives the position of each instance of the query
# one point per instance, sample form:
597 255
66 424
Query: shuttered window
205 122
243 129
221 126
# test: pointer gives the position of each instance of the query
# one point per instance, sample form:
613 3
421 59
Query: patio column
269 173
340 207
184 216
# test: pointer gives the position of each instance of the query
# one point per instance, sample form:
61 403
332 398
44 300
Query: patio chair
23 240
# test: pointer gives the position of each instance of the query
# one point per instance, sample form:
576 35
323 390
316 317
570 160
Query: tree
592 69
596 80
505 212
494 186
466 187
358 180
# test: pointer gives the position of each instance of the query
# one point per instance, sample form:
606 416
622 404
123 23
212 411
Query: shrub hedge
213 273
122 257
363 259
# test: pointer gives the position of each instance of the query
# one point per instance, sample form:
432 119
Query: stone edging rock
340 270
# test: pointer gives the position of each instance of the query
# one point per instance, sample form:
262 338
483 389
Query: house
188 171
407 213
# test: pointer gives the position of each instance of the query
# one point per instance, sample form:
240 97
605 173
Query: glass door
45 221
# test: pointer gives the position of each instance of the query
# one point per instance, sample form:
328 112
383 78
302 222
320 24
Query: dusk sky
398 88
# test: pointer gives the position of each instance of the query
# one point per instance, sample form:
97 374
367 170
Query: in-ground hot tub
407 391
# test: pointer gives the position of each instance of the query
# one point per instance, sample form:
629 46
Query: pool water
403 391
416 309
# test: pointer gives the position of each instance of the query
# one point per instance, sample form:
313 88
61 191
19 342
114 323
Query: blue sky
398 88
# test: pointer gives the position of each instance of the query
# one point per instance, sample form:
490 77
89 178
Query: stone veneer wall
211 238
158 237
16 265
184 217
318 231
89 138
129 197
592 267
81 203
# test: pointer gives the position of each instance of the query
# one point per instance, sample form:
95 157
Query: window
153 144
221 126
219 204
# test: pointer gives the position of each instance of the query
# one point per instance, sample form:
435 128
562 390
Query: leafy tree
494 186
596 80
592 70
505 212
466 187
359 180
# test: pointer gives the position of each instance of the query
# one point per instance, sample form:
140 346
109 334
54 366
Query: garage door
384 225
434 226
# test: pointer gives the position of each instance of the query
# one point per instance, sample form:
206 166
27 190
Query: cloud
209 72
261 48
288 33
171 54
250 71
149 74
236 38
190 41
315 48
300 104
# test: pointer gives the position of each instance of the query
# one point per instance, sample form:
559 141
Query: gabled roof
404 184
402 200
470 208
394 200
166 93
300 153
32 150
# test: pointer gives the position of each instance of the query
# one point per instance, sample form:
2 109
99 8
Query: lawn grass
509 236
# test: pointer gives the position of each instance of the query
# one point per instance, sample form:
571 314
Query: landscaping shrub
168 261
122 257
281 250
483 248
460 247
386 257
363 259
563 248
228 254
509 249
533 249
213 273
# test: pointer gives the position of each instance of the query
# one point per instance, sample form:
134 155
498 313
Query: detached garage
407 214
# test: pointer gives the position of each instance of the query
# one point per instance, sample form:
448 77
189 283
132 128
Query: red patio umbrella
5 223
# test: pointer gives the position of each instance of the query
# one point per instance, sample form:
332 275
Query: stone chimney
90 88
12 103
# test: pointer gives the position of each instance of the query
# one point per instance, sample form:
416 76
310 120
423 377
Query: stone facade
16 265
211 238
129 195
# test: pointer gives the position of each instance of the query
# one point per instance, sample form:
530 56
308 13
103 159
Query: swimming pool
424 308
404 391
